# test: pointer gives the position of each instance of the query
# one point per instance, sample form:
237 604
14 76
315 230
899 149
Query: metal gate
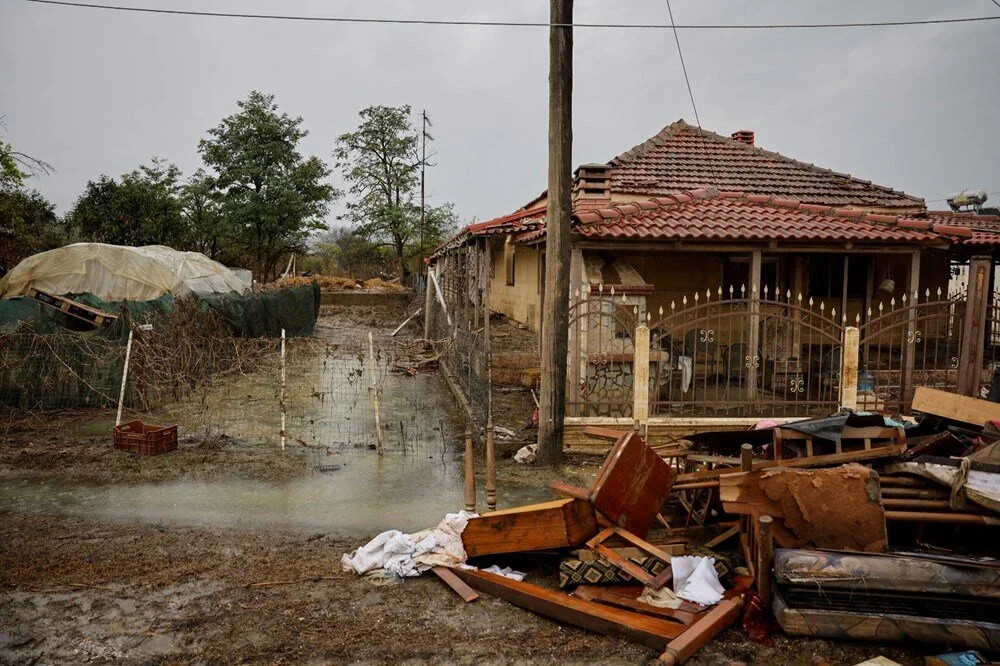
601 356
740 355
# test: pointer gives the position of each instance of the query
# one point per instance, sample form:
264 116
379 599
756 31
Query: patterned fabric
573 572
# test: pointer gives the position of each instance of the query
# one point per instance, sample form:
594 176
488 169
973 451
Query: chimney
743 136
592 186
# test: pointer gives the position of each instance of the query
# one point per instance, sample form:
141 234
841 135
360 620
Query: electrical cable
512 24
683 66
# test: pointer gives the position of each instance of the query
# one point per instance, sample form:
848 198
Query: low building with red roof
690 218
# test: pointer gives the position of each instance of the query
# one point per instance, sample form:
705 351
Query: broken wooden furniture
944 600
562 523
630 486
852 439
68 306
837 508
626 565
654 632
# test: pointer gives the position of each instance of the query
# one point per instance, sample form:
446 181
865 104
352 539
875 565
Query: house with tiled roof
746 266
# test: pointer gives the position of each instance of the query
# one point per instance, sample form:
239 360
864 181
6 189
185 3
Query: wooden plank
701 632
955 407
796 463
570 490
600 594
609 434
460 587
631 485
654 632
725 536
560 523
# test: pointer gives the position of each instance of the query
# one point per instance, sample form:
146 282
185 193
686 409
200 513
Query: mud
228 550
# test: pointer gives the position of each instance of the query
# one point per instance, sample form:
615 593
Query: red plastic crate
145 439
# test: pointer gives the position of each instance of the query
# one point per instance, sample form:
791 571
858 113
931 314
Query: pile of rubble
854 526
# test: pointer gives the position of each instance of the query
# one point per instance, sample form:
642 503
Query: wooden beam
955 407
459 586
812 461
590 615
705 629
602 595
970 360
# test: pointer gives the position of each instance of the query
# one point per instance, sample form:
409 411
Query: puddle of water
349 490
364 496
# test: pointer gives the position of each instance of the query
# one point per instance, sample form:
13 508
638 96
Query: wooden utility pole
555 302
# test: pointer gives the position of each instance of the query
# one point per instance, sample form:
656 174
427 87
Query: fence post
640 375
970 362
849 368
909 348
753 359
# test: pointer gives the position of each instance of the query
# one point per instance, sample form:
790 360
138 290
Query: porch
676 345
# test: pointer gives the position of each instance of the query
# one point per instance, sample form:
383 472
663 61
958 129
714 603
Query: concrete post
640 375
429 304
849 368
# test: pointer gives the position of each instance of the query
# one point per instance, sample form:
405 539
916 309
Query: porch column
753 361
970 360
798 289
578 291
909 346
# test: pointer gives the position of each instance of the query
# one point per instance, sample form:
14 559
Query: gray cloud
915 108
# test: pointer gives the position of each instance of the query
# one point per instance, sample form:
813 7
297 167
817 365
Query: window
508 261
826 276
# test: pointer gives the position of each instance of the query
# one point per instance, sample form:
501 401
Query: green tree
16 167
271 195
143 209
28 224
381 160
208 230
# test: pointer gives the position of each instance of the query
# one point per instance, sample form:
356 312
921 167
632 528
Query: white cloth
506 572
696 579
687 370
412 554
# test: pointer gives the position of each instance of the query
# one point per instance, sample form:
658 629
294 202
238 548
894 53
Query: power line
683 66
513 24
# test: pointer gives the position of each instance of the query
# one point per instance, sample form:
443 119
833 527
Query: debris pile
853 526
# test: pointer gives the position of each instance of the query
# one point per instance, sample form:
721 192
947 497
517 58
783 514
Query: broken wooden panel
707 627
603 595
651 631
855 619
837 508
562 523
927 575
631 485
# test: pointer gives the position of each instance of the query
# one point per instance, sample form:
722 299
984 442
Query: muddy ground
78 589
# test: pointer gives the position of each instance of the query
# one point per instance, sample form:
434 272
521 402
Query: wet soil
83 583
80 591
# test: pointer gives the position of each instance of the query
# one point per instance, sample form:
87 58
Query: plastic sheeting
121 273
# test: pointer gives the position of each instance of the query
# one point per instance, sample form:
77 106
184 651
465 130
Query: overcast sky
915 108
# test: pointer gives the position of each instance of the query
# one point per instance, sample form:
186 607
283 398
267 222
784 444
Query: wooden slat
955 407
590 615
816 461
602 595
460 587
